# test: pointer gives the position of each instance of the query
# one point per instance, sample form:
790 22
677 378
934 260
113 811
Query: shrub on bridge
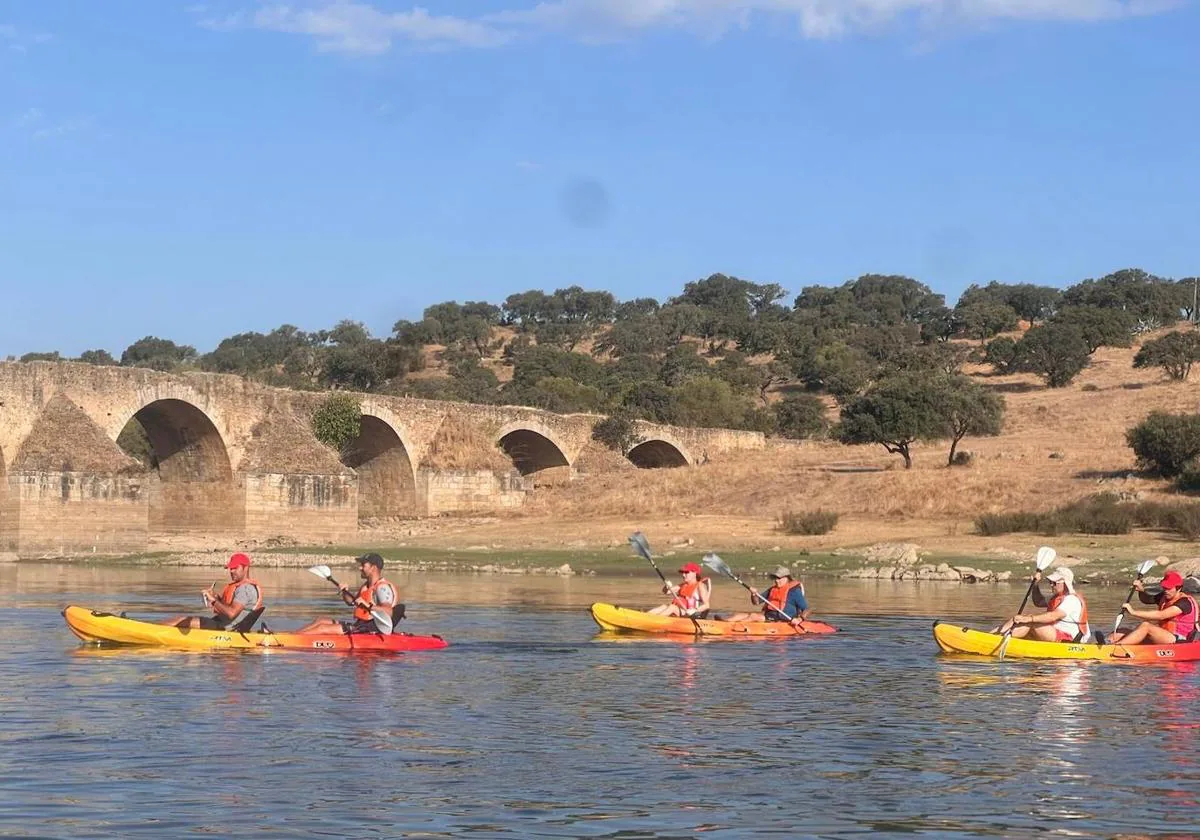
617 432
337 420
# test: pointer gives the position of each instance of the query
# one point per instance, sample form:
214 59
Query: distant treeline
714 354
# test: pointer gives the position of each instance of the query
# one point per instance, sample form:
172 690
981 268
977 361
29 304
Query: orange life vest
688 597
1180 625
367 593
234 585
1083 628
778 596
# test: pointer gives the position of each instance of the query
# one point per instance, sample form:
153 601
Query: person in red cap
241 594
1174 620
690 598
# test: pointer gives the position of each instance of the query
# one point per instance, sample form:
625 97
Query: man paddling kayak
241 594
1174 620
691 597
786 596
1065 619
372 605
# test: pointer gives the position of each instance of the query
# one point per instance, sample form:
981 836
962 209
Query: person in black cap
373 604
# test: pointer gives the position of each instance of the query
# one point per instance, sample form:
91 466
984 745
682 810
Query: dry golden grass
65 438
1014 471
459 446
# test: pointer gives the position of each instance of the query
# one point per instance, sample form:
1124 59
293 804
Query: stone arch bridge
235 458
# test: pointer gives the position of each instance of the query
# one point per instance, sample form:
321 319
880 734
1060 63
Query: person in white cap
784 601
1065 618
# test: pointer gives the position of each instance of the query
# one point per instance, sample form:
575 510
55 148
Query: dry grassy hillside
1058 445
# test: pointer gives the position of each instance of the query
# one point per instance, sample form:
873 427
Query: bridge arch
191 486
382 457
658 453
536 452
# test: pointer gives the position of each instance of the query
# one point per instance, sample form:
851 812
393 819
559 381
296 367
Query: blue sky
196 170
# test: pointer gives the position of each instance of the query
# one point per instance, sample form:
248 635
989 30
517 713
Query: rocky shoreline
881 561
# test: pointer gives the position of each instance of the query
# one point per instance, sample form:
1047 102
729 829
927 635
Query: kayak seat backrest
247 623
397 614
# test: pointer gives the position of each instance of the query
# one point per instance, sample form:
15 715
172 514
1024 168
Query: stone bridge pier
220 455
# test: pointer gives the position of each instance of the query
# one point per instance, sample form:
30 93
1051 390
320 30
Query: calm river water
532 725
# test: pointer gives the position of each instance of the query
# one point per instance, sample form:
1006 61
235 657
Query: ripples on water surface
530 725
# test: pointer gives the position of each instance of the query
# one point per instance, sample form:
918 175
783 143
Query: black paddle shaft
643 549
1028 592
754 592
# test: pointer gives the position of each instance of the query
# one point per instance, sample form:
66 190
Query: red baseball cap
690 567
1172 580
237 560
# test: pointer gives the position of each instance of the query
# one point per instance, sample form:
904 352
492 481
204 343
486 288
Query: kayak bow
107 629
954 638
622 620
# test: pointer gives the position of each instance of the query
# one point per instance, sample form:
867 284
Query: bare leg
665 609
1041 632
1148 632
323 627
185 622
744 617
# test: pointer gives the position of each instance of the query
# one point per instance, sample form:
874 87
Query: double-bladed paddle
1045 556
324 572
718 565
1141 570
640 544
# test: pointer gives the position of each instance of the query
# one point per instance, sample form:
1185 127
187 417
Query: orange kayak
621 620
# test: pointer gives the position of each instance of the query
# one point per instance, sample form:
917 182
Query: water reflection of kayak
953 638
620 619
108 629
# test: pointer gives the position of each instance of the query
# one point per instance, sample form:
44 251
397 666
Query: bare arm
222 610
1041 618
1153 615
1039 600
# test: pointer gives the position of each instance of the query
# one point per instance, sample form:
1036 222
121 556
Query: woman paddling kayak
691 596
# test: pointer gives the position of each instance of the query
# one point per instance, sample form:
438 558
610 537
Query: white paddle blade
715 563
640 545
321 571
382 622
1145 567
1045 556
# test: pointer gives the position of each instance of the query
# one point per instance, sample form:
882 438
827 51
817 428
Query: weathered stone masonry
238 458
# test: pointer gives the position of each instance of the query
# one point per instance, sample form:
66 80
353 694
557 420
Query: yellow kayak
108 629
954 638
620 619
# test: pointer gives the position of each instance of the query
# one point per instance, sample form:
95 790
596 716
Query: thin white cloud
31 117
344 26
34 124
61 129
816 19
20 40
359 28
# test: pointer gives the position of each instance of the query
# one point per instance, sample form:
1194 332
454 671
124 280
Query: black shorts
358 626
